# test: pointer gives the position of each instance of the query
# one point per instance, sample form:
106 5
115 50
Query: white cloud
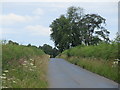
38 30
38 11
12 18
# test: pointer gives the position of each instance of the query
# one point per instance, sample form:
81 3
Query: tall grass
103 51
98 59
23 67
0 63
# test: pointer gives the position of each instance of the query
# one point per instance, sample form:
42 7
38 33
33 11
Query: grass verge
98 66
98 59
23 67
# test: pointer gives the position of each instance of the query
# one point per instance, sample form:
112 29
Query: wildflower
3 77
0 76
6 71
14 81
25 61
30 59
31 69
117 59
4 87
31 64
115 62
34 66
3 74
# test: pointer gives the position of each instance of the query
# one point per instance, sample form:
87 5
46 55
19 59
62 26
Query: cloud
38 11
38 30
12 18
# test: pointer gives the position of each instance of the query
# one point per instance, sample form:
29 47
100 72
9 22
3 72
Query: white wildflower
115 62
6 71
3 77
0 76
31 69
25 61
3 74
4 87
31 64
14 81
117 59
31 59
34 66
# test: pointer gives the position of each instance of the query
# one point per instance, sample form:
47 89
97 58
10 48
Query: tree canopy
76 28
49 50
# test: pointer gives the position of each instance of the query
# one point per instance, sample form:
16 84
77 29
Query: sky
28 22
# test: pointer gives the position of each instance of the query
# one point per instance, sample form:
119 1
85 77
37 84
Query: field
99 59
23 67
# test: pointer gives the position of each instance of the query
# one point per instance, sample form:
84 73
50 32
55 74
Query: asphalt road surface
62 74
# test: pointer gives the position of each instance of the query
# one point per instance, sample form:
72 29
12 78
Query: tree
49 50
60 33
11 42
76 28
104 33
117 39
29 45
75 15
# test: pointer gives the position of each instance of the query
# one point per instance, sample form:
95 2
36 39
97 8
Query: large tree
60 33
76 28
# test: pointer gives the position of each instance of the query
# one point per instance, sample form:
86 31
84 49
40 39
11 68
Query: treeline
53 52
46 48
77 28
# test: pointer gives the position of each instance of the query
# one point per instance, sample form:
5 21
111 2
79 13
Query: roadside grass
98 59
102 51
23 67
98 66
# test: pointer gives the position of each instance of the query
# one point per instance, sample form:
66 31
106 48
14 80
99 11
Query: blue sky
28 22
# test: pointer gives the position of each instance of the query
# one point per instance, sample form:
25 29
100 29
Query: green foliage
11 51
23 66
98 59
49 50
76 28
25 75
103 51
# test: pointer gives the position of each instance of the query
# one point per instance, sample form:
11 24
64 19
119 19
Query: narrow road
63 74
